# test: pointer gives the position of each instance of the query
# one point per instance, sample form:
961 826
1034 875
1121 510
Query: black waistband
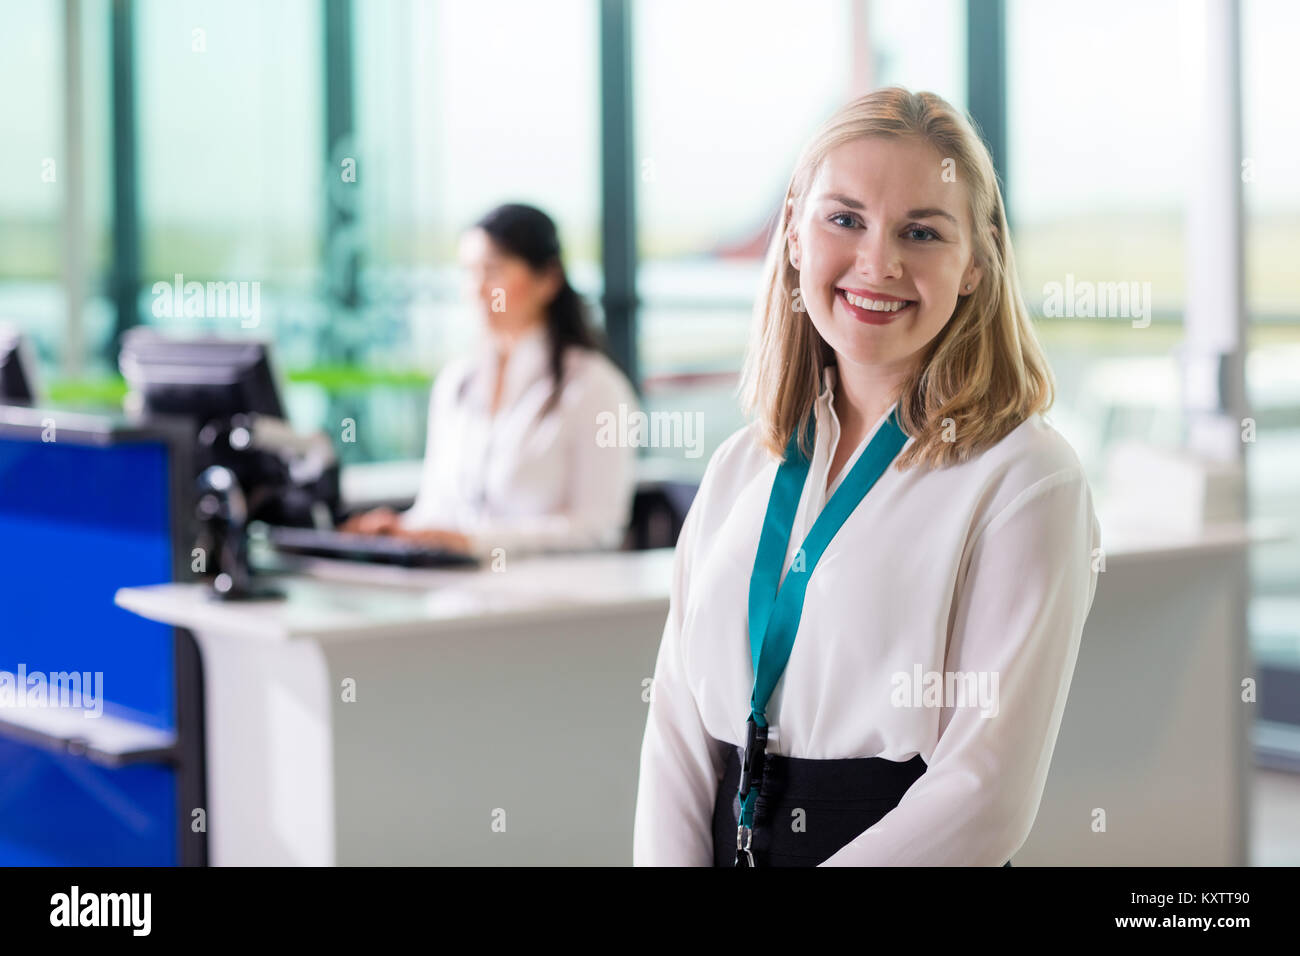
807 809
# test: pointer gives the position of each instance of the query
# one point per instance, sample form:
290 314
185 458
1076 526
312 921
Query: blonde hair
985 370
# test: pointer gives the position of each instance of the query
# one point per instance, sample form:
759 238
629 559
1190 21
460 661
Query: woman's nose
878 256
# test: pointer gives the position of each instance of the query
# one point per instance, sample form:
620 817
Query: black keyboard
381 549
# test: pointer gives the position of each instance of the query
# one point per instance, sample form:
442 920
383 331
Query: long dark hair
528 233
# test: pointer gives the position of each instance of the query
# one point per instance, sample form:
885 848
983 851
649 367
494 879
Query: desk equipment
252 464
364 547
16 369
224 512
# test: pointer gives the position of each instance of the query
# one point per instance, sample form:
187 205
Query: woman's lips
869 316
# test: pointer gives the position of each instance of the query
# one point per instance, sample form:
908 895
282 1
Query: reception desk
382 715
476 717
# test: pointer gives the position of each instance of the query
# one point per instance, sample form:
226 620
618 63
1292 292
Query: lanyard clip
752 762
744 839
751 765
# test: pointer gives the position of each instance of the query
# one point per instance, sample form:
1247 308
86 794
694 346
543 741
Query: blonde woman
899 505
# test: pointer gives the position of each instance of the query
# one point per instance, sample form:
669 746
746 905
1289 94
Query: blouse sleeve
681 764
601 483
1019 618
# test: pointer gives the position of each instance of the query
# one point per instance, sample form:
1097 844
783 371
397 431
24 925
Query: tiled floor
1275 827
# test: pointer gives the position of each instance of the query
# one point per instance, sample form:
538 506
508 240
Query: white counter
515 699
497 715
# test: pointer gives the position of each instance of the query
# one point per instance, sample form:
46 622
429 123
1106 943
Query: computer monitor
212 382
200 378
15 372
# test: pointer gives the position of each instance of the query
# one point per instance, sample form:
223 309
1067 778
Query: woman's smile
874 311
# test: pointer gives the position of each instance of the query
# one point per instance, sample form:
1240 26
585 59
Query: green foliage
108 392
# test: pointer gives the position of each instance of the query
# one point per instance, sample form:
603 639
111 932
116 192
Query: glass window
462 107
33 173
230 142
36 170
1096 197
229 158
1271 192
1271 130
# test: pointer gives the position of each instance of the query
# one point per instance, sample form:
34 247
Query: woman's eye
925 234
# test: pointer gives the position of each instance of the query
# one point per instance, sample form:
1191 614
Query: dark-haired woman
515 457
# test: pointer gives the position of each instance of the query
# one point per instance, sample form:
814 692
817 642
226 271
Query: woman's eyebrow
911 213
927 213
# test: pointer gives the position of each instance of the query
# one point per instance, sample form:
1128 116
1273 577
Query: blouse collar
529 360
828 383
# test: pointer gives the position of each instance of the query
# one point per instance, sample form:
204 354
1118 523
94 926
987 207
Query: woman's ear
554 282
975 271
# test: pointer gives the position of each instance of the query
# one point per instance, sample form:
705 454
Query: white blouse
983 569
520 480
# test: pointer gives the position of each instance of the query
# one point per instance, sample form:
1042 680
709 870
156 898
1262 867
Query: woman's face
881 222
511 297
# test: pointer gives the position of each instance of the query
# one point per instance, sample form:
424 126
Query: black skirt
839 799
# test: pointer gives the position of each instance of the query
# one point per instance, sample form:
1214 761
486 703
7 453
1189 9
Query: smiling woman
897 200
890 333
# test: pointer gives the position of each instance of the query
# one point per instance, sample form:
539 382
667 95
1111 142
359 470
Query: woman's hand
375 521
437 538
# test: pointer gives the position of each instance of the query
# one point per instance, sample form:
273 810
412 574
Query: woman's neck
503 345
863 393
505 340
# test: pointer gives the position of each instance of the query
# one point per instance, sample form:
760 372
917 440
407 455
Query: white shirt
984 567
520 480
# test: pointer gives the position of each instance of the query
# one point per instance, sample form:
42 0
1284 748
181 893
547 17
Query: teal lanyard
776 606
